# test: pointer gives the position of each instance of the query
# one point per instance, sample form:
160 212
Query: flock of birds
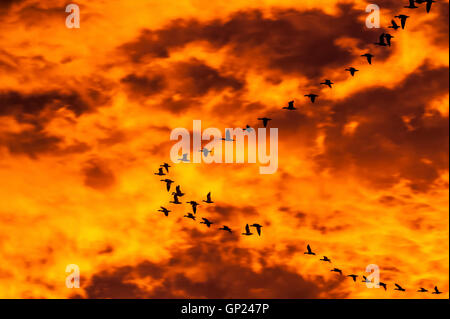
385 41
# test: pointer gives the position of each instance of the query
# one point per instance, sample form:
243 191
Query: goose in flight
226 228
290 106
247 231
312 97
248 128
369 57
394 25
175 200
194 205
399 288
388 38
208 199
337 270
184 158
381 41
227 136
429 3
189 215
166 166
168 183
365 279
325 258
309 252
178 192
402 18
327 83
436 291
258 228
265 120
352 71
422 290
411 5
164 210
160 172
382 284
205 151
353 277
206 222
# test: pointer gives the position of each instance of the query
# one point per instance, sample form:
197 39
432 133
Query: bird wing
208 197
258 229
309 248
398 286
247 228
394 24
382 38
429 3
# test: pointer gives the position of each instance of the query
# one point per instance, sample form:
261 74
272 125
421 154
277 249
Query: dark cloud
144 86
97 175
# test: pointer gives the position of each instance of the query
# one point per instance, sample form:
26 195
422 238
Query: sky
85 121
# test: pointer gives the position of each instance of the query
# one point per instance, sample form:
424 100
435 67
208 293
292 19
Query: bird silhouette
328 83
166 166
309 252
175 199
381 41
258 228
312 97
369 57
290 106
325 258
168 183
247 231
248 128
206 222
429 3
394 25
353 277
160 172
402 18
189 215
184 158
179 193
226 228
382 284
388 38
208 199
422 290
352 71
194 205
365 279
265 120
411 5
164 210
228 136
205 151
399 288
337 270
436 291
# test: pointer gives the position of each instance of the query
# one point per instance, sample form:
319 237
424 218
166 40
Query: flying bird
381 41
206 222
353 277
429 3
247 231
258 228
290 106
309 252
166 166
325 258
436 291
194 205
228 136
365 279
402 18
208 199
337 270
184 158
352 71
168 183
411 5
328 83
312 97
265 120
189 215
160 172
226 228
394 25
179 193
369 57
205 151
422 290
164 210
399 288
248 128
388 38
175 200
382 284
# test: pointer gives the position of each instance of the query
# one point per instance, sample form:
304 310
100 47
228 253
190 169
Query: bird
247 231
381 41
388 38
265 120
184 158
168 183
175 200
290 106
160 172
411 5
365 279
205 151
226 228
353 276
208 199
227 136
189 215
337 270
164 210
369 57
399 288
394 25
382 284
309 252
352 70
429 3
166 166
402 18
436 291
422 290
312 97
248 128
325 258
258 228
179 193
328 83
206 222
194 205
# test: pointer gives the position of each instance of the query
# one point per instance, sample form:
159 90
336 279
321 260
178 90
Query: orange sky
85 121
